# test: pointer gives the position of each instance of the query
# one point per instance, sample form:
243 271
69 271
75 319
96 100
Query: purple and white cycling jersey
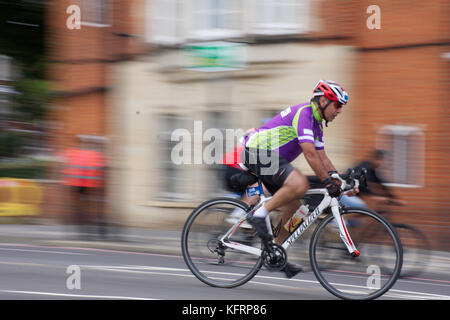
284 133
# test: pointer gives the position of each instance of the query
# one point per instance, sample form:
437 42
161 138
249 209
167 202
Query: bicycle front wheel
204 250
367 276
416 250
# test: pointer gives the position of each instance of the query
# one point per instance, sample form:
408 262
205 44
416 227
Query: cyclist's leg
286 213
282 180
236 181
293 187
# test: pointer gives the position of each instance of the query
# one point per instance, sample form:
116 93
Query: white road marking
76 295
393 293
47 251
418 295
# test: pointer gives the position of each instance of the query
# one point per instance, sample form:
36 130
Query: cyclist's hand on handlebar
349 181
333 186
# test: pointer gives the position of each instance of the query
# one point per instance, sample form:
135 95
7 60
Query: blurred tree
22 37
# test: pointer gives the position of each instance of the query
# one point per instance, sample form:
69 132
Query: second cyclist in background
376 189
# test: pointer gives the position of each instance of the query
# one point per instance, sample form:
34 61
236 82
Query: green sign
215 56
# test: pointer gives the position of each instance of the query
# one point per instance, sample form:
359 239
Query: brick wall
404 22
401 78
80 60
406 82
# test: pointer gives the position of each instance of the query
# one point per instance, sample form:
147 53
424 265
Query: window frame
5 68
105 13
215 14
274 27
177 37
398 162
172 179
185 16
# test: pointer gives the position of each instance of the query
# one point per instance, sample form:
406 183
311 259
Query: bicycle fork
343 232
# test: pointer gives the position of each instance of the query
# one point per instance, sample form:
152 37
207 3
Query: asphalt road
55 273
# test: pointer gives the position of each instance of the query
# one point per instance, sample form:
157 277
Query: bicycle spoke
364 277
207 256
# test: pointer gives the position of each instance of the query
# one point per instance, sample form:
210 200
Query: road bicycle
227 256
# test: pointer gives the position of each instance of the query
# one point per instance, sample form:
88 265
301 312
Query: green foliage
33 99
25 169
22 37
9 142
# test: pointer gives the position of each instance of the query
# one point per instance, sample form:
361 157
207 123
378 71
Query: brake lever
361 176
345 179
351 179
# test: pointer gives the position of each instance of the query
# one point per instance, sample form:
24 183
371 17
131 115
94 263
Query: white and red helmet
331 90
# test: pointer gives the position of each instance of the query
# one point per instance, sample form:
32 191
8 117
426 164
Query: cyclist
375 189
270 149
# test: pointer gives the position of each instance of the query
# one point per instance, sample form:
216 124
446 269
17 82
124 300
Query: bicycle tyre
354 267
416 250
206 272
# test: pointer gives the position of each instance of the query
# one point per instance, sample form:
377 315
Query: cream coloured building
156 97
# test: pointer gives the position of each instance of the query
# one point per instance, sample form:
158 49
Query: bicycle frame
326 202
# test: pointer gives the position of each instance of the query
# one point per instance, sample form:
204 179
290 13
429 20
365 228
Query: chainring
274 257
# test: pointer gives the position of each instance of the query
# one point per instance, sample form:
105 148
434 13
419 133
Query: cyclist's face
333 111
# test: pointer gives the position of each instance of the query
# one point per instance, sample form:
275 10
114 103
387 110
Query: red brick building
402 88
80 57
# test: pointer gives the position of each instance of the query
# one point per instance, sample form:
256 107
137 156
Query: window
5 104
404 162
217 19
273 17
177 21
166 22
172 181
218 140
5 68
95 13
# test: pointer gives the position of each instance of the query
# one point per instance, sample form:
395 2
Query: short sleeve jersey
284 133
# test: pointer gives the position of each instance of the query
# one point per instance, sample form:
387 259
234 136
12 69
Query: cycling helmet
331 90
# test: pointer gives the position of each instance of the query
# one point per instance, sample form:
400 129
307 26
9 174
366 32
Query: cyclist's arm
376 185
387 192
326 161
314 160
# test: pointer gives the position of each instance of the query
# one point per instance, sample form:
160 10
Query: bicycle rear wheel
205 254
368 276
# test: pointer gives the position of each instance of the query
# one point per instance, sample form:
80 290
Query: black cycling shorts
269 166
234 179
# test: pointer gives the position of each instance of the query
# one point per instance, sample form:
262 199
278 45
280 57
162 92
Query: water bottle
297 218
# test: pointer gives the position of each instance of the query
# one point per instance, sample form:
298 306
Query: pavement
437 266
